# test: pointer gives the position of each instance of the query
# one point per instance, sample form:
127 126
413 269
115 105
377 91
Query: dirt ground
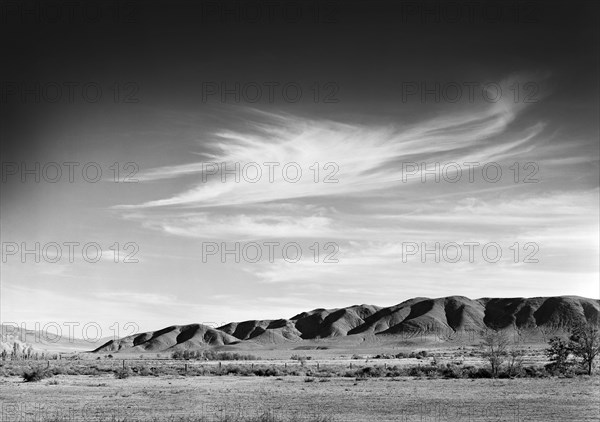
94 398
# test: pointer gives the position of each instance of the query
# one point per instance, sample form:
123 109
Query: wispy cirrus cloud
374 205
362 158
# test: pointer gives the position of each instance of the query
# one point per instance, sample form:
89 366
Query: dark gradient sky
164 53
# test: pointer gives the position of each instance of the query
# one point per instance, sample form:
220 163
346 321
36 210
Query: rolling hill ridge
366 322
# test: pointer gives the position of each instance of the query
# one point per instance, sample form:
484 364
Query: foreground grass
264 417
282 399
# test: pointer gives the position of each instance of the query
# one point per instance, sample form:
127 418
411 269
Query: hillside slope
418 315
192 336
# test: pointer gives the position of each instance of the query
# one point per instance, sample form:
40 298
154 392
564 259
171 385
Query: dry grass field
233 398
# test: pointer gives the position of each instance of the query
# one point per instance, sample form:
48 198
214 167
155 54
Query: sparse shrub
57 370
210 355
452 371
309 379
416 371
370 371
238 370
123 373
419 355
394 371
480 373
535 372
35 374
144 371
301 359
267 372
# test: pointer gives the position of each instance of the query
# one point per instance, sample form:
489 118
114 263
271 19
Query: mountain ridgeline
362 324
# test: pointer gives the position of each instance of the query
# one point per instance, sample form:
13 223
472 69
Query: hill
436 318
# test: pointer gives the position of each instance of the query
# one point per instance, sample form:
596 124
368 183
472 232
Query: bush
237 370
210 355
558 352
480 373
452 371
416 371
535 372
267 372
370 371
394 371
122 373
144 371
36 374
301 359
419 355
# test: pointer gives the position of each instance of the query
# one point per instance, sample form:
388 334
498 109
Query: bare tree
515 361
585 345
495 344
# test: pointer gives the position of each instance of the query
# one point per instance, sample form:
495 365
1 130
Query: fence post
48 364
317 365
186 367
123 363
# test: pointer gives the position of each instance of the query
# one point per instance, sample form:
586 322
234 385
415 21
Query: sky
351 106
